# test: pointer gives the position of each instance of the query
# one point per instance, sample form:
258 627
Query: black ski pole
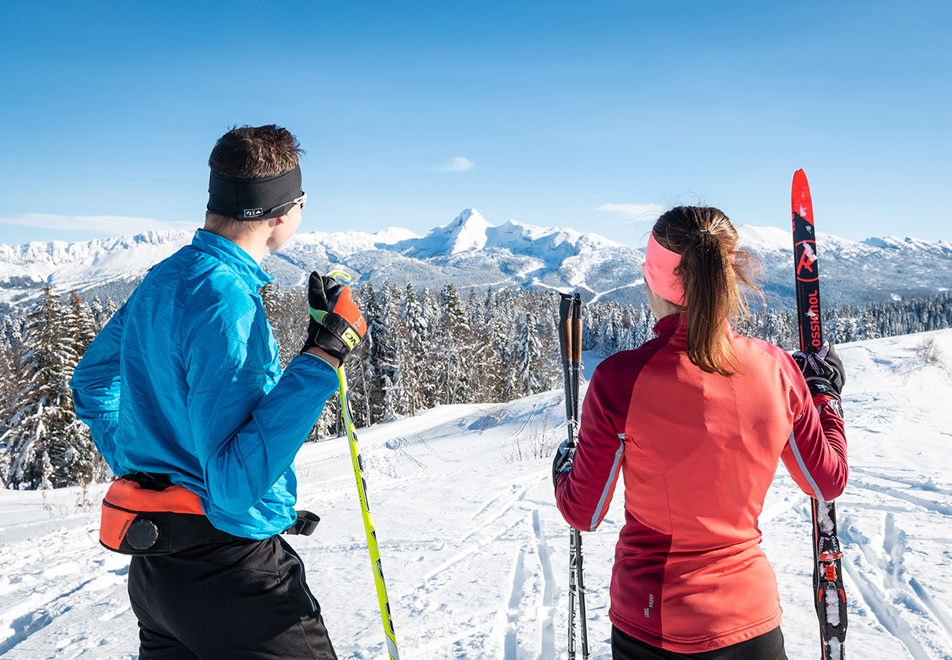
570 342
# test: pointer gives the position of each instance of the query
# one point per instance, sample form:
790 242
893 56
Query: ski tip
800 198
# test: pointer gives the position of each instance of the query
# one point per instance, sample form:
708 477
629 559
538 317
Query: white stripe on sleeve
611 479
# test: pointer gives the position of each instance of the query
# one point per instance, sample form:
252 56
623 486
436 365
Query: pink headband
658 270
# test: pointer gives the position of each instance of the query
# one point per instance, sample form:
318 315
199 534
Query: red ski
829 596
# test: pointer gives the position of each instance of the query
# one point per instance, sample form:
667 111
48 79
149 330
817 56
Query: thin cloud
634 212
457 164
112 225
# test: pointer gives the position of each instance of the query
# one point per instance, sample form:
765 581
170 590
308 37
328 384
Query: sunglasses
302 200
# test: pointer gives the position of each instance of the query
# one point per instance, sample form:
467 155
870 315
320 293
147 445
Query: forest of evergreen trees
422 349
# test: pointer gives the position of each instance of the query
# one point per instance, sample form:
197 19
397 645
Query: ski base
829 593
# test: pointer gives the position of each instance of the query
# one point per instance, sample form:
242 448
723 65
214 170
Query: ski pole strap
305 524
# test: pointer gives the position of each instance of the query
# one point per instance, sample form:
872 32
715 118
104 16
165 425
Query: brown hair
255 152
251 152
712 269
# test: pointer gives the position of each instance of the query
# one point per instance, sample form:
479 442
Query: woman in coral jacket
696 421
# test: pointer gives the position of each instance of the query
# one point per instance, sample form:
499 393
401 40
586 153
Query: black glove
337 324
562 461
822 370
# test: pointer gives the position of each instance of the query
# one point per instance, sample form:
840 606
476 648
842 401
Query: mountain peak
466 232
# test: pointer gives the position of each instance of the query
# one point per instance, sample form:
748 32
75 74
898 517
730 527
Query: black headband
253 199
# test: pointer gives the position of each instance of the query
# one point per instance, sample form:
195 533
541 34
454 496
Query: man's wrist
324 355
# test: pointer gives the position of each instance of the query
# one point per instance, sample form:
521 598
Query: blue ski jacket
184 380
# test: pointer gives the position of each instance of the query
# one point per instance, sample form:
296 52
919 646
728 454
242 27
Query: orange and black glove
336 325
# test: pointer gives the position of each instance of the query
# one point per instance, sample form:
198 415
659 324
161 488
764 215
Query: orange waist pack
151 516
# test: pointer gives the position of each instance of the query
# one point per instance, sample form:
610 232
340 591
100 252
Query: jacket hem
699 644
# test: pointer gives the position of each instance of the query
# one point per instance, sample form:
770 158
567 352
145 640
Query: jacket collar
668 324
233 256
678 321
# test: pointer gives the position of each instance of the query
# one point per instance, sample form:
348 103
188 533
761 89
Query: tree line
422 349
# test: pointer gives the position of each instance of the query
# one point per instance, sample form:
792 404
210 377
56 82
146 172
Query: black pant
238 600
768 646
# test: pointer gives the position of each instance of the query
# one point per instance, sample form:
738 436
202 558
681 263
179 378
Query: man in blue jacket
183 385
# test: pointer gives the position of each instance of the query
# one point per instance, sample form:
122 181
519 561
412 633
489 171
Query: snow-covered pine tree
608 333
11 339
868 329
391 367
286 309
416 347
105 312
48 446
81 324
360 384
369 381
9 359
529 373
646 322
453 348
483 361
383 363
503 338
629 338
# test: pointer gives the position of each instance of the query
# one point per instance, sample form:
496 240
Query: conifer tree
383 363
48 446
867 325
529 374
416 347
80 325
453 348
9 359
105 312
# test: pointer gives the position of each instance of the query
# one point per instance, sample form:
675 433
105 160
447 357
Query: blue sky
550 113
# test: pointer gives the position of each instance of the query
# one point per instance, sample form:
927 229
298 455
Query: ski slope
476 554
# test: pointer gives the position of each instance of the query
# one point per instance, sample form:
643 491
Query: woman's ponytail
711 269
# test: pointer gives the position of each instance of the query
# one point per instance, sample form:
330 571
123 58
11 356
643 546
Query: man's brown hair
251 152
255 152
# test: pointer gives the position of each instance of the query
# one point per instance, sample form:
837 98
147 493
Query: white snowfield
476 554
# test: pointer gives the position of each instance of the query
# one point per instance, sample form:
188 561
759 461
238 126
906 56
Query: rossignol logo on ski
813 313
806 260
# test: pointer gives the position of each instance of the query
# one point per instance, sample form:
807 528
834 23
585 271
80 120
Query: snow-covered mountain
472 253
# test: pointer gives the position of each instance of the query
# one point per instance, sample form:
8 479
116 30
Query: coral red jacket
698 452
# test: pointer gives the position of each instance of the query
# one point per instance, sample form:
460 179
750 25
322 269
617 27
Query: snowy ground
475 552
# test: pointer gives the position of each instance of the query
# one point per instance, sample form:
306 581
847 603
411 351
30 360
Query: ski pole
570 344
365 506
576 364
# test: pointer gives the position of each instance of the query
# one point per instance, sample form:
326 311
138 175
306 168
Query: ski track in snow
546 609
476 554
